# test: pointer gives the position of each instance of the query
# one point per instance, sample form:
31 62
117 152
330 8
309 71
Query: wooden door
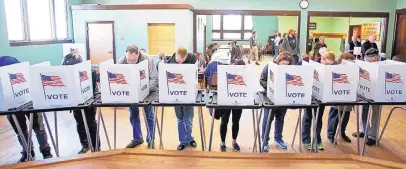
400 37
100 41
161 38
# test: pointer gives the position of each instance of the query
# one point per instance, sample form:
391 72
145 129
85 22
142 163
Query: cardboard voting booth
124 83
335 83
289 84
382 81
14 86
236 84
177 83
60 86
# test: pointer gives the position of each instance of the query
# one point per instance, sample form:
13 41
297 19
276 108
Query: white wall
200 32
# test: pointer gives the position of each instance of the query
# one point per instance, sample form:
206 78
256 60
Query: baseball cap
372 52
7 60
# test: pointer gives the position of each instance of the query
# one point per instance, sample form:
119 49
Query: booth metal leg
357 111
89 139
379 123
56 130
297 125
338 129
29 142
366 130
300 130
162 126
314 143
20 132
115 127
105 130
98 129
211 130
254 147
50 134
156 124
201 128
267 129
386 123
259 131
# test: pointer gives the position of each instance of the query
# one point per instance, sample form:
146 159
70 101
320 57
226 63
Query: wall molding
132 7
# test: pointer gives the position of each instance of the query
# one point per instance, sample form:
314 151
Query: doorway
400 37
100 41
161 38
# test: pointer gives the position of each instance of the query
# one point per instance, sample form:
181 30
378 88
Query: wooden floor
392 147
170 159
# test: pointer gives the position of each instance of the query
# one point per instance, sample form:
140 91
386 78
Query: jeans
38 127
307 125
185 123
279 116
295 59
90 114
276 51
135 122
371 133
224 122
333 122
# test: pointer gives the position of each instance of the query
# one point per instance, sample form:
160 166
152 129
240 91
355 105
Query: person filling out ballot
184 114
371 55
284 58
38 125
344 111
327 58
133 56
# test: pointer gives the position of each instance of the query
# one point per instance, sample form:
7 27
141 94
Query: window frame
26 29
222 31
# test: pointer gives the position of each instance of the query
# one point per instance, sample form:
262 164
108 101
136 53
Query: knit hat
7 60
372 52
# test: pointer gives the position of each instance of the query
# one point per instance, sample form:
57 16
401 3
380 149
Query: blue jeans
276 50
307 125
279 116
135 122
185 123
333 122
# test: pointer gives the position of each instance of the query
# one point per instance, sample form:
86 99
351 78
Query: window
36 21
232 27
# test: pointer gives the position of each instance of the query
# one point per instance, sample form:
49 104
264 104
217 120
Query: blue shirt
7 60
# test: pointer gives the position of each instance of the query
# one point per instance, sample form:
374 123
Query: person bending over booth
284 58
133 56
38 125
327 58
184 114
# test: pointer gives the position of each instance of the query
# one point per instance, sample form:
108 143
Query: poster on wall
369 29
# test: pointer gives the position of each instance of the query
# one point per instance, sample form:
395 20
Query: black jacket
190 59
368 45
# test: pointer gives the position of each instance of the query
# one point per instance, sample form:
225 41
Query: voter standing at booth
327 58
344 111
71 59
184 114
134 56
371 55
38 124
284 58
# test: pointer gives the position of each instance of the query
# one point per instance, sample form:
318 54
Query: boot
46 153
24 157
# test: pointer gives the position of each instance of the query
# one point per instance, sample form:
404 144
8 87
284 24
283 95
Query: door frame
245 12
87 37
384 15
397 14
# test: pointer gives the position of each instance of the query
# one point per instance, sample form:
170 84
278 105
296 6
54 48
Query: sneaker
46 153
181 147
346 138
84 150
308 146
134 144
281 144
24 157
193 143
331 140
320 146
361 134
236 147
266 148
371 142
223 148
257 63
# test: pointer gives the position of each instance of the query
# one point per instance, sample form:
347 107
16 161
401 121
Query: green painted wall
401 4
265 27
209 27
35 53
287 22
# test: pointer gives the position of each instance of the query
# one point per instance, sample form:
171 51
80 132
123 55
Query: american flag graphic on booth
17 78
235 79
52 81
83 76
175 78
294 80
393 77
340 78
142 74
116 78
316 75
271 76
364 74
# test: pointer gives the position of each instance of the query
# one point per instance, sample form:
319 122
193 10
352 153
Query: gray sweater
286 46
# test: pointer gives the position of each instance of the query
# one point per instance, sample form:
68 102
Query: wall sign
312 26
369 29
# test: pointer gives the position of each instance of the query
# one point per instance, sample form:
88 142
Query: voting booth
177 83
335 83
14 86
289 84
236 85
124 83
382 81
60 86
